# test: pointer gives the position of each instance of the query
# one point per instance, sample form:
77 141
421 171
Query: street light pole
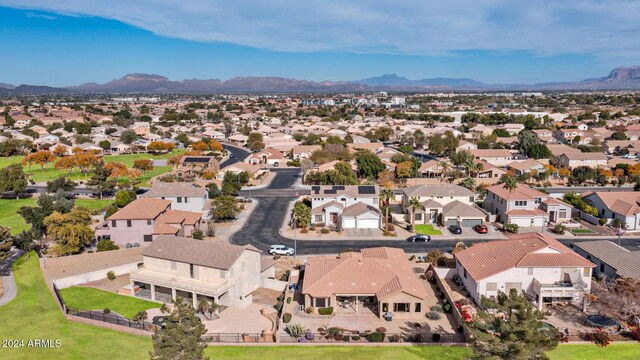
295 243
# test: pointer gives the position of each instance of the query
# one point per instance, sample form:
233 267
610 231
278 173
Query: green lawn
51 173
95 299
427 230
33 314
582 231
9 216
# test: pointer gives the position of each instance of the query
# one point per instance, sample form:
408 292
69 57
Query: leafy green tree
105 144
520 334
436 144
255 141
128 136
224 207
100 180
469 183
181 336
106 245
45 206
369 165
125 197
214 191
231 184
5 242
501 132
302 213
405 149
70 231
539 151
619 135
13 179
60 184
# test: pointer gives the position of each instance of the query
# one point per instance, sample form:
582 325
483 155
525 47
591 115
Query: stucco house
220 272
496 157
621 205
533 263
611 259
525 206
575 159
375 280
189 166
143 220
183 196
444 204
349 207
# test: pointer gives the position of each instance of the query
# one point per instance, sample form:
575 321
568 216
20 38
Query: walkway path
9 283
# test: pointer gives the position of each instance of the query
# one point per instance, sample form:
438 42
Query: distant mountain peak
144 77
624 73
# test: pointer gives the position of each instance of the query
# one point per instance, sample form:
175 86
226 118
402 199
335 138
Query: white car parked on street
280 250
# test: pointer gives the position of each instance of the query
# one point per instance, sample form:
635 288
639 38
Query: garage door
349 223
451 222
368 224
471 222
520 221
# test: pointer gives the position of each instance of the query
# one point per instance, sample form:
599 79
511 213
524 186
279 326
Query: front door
552 216
334 218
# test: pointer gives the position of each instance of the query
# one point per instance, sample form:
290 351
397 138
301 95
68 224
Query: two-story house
496 157
349 207
443 204
533 263
143 220
183 196
576 158
524 206
621 205
193 269
193 166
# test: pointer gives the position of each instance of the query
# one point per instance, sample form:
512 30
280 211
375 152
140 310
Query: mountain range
618 78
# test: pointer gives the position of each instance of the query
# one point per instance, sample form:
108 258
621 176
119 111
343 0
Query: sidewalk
8 281
224 231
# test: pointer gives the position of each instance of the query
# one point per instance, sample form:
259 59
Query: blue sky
68 42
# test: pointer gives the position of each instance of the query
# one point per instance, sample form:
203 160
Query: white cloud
41 16
605 28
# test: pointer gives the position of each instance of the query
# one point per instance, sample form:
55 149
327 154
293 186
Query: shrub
412 258
437 308
312 228
395 338
280 297
325 310
322 330
289 300
304 230
377 337
599 337
417 338
436 337
602 221
286 318
512 228
309 310
355 338
381 329
333 331
278 306
197 234
296 330
392 227
106 311
559 229
111 275
107 245
324 231
308 335
460 329
433 315
447 308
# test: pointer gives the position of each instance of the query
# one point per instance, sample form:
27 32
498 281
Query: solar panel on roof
315 189
366 189
338 187
196 160
330 191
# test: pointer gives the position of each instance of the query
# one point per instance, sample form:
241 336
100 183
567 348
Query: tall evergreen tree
514 330
5 242
181 336
100 179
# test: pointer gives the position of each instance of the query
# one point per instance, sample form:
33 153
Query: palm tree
414 203
203 306
458 246
386 194
141 316
510 184
434 257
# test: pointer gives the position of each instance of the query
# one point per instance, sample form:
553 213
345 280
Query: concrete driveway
8 281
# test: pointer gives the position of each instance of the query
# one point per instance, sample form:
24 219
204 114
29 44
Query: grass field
33 314
427 230
51 173
582 231
9 216
96 299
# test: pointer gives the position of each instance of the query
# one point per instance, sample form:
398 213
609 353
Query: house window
186 200
418 307
521 203
470 199
464 273
562 214
530 271
193 271
401 307
113 223
318 218
418 217
148 221
174 265
179 199
585 272
147 238
492 286
601 267
128 223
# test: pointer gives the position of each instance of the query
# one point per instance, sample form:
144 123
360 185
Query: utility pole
619 233
295 243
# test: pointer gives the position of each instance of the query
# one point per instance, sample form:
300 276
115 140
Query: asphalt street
263 226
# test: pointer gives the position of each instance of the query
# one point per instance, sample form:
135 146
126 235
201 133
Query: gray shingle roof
437 190
167 189
217 254
626 262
